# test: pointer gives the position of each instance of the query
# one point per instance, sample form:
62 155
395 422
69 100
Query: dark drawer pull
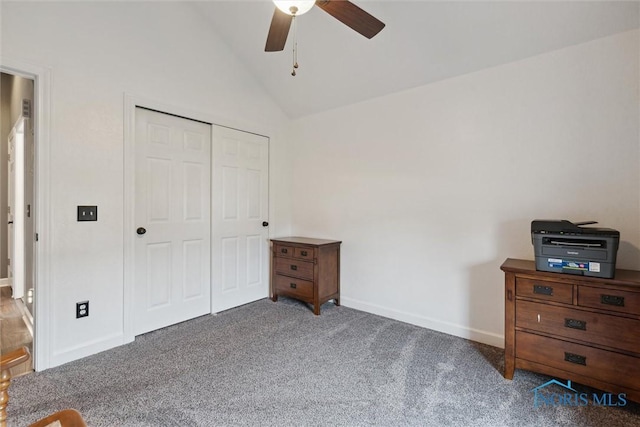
292 285
612 300
575 324
542 290
284 250
303 253
294 267
575 358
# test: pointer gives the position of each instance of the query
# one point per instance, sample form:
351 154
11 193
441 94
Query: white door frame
42 212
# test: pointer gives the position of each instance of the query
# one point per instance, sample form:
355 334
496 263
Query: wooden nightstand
306 269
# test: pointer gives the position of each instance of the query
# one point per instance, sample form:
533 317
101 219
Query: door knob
141 230
265 224
10 222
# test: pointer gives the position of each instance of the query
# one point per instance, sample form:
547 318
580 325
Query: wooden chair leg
8 361
5 380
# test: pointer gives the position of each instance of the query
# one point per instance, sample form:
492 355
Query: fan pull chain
295 46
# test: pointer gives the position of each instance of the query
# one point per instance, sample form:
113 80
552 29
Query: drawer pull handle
284 250
294 267
292 285
575 358
612 300
303 253
542 290
575 324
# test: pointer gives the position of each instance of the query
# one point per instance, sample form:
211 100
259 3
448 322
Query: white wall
431 189
97 52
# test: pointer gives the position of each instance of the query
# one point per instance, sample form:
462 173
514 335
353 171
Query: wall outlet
82 309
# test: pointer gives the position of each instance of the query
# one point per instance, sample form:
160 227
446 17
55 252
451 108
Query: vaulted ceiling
423 42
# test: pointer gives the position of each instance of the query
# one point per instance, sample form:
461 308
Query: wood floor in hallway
13 330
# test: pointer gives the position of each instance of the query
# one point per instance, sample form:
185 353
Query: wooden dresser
306 269
583 329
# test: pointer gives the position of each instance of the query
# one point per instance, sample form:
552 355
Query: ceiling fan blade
278 31
352 16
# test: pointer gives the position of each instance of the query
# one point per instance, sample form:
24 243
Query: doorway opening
17 205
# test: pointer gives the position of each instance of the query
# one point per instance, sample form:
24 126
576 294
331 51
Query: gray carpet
276 364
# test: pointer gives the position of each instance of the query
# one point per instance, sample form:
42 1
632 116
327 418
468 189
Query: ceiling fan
344 11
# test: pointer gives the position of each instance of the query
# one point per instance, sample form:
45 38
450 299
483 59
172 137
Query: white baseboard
472 334
4 282
86 349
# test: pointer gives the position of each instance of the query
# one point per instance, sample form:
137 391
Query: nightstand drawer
284 251
609 299
293 267
544 290
607 366
294 287
304 253
603 329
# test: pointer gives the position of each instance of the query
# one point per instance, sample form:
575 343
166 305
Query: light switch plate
87 213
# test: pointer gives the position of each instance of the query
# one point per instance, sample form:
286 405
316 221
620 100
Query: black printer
564 247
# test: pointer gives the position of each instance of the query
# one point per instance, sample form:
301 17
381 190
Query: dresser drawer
304 253
294 267
294 287
607 366
544 290
284 251
607 330
609 299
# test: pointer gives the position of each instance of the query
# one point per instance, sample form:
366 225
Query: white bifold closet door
240 247
173 220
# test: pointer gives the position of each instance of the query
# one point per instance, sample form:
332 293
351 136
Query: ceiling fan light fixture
294 7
